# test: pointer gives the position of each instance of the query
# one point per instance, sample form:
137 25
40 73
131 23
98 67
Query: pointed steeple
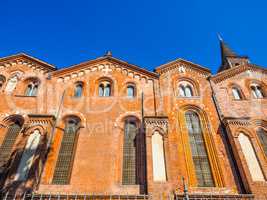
225 50
229 57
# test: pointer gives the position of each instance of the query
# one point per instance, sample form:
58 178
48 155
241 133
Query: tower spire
229 57
225 50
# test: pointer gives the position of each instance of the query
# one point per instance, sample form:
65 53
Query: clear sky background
147 33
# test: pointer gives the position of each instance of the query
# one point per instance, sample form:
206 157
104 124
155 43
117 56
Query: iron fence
171 196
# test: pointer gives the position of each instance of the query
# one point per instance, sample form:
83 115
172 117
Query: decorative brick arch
235 85
79 115
249 82
119 122
195 86
13 118
209 144
113 87
32 128
245 131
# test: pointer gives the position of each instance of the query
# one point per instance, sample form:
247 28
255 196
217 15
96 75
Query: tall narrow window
28 156
251 158
236 93
130 91
78 90
181 91
262 135
158 157
104 89
9 141
257 91
66 152
129 153
185 89
188 91
199 151
32 88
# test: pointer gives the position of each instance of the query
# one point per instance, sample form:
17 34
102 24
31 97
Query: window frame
182 87
209 141
56 178
254 88
105 83
32 87
79 85
262 144
133 86
238 92
200 155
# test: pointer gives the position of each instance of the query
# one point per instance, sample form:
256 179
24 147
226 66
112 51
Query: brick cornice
178 63
26 60
156 123
235 71
237 121
92 63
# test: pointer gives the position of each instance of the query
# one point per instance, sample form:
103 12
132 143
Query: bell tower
229 58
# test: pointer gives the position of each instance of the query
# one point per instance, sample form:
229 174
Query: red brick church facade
105 126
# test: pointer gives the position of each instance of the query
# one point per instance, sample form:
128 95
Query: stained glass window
9 140
66 152
262 135
129 154
199 151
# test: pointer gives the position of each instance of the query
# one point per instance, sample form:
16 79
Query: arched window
185 89
66 152
262 135
78 90
130 91
251 158
28 156
32 88
188 91
8 142
257 91
2 81
158 157
11 84
104 89
129 175
236 93
181 91
199 151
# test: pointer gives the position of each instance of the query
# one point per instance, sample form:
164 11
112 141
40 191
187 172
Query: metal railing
171 196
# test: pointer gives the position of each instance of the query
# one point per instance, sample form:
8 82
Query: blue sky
147 33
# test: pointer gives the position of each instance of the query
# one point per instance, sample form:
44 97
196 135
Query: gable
183 65
238 71
106 64
25 60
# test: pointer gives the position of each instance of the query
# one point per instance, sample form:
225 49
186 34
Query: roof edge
26 56
109 58
168 64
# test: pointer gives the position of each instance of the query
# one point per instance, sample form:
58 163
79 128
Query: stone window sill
19 95
193 97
